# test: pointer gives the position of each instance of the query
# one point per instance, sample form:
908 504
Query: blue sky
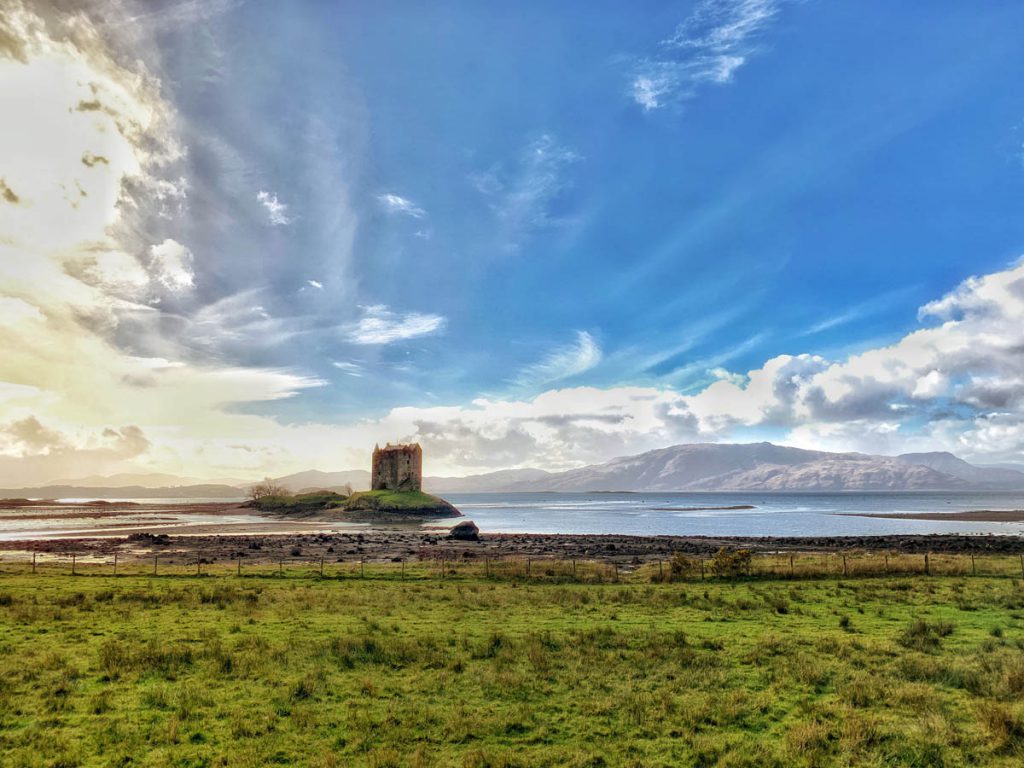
860 161
418 206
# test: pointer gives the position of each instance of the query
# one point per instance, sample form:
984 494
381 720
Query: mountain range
692 467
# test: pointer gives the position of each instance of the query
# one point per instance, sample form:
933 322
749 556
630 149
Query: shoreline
217 531
393 545
971 515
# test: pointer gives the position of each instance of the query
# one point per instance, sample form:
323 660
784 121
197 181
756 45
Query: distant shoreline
704 509
973 515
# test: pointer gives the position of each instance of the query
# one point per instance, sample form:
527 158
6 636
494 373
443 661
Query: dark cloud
462 444
8 194
35 453
89 159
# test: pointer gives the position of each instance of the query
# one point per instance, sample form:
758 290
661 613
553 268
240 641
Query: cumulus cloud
396 204
381 325
707 48
559 428
277 212
968 363
90 144
28 448
171 264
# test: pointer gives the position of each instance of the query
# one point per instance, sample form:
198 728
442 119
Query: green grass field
469 671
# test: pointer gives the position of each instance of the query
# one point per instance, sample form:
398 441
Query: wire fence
726 565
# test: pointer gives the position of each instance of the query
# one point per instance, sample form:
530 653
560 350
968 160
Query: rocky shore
421 544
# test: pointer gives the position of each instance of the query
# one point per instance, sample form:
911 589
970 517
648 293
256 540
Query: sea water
770 514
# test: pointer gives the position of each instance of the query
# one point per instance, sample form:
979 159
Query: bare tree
267 488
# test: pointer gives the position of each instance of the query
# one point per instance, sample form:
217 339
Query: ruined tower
397 468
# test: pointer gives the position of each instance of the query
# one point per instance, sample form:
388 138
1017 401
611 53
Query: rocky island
413 504
396 493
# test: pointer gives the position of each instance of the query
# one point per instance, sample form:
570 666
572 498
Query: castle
397 468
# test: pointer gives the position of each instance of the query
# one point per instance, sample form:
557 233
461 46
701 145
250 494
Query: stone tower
397 468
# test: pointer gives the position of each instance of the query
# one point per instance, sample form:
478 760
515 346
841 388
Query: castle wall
397 468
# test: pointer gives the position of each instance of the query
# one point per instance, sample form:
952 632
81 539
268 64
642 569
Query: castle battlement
397 468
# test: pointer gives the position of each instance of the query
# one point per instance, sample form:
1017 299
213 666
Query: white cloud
559 428
650 88
276 210
380 325
348 368
714 42
966 369
522 194
396 204
14 311
315 284
171 265
563 362
90 143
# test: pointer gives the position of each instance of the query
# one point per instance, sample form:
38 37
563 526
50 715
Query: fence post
154 563
72 563
403 569
844 564
616 567
239 566
886 563
1022 566
199 563
791 569
33 562
927 567
574 568
661 571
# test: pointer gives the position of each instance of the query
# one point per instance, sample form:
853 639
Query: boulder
465 531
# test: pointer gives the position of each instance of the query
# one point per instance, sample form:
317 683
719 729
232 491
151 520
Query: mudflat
217 532
972 515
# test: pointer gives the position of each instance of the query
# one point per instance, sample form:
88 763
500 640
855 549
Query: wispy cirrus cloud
522 193
381 325
349 368
858 312
706 49
563 362
397 204
277 212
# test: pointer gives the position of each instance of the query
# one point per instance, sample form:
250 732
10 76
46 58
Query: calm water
774 514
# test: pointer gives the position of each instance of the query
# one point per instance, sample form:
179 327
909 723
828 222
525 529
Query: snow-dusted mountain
768 467
953 465
694 467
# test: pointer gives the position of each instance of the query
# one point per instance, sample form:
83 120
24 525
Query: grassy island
299 503
404 503
361 505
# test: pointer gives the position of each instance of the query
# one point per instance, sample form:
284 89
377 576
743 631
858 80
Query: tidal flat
404 668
